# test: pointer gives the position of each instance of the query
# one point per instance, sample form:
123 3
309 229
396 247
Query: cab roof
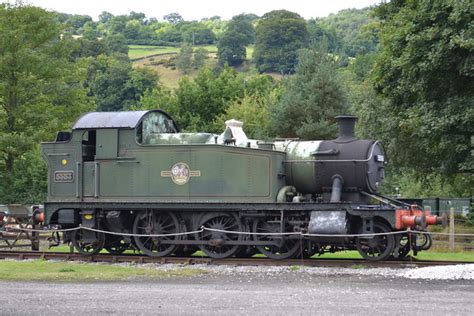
122 119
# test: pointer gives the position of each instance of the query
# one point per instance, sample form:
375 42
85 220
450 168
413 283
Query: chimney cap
345 117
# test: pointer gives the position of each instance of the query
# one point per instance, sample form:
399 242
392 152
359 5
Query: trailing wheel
378 247
217 238
156 223
279 246
87 242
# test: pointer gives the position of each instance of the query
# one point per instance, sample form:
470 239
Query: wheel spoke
379 247
88 248
221 222
284 248
156 223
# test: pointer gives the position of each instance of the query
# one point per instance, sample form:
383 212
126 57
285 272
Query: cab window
154 123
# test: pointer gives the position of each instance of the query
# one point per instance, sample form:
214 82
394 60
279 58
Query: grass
39 270
422 255
467 256
142 51
138 51
295 268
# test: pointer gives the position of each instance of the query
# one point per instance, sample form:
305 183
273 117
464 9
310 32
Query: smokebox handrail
371 155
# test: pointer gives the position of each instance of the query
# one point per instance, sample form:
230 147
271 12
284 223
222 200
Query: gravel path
254 290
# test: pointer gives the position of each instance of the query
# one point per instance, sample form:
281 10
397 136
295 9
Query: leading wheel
378 247
149 223
279 246
218 235
87 242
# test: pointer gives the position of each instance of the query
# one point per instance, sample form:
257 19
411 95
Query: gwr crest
180 173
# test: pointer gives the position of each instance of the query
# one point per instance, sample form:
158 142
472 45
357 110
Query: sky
198 9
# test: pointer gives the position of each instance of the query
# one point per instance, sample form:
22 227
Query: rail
192 260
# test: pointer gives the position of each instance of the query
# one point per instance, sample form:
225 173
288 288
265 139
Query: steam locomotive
132 180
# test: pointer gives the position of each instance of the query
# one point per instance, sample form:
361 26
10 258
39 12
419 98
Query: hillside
162 60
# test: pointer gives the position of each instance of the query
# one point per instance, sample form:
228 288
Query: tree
425 73
319 32
89 30
242 24
117 24
200 100
105 17
40 92
116 43
312 98
184 58
115 85
279 35
169 33
199 104
138 16
88 48
196 33
76 21
350 32
253 111
173 18
132 29
200 56
231 46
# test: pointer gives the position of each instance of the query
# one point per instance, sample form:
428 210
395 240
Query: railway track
131 258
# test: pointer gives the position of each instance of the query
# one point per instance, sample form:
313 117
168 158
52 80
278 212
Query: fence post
451 229
437 206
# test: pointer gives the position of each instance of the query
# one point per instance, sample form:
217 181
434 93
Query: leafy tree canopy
425 73
312 98
231 46
173 18
115 85
40 89
197 102
279 35
356 31
184 58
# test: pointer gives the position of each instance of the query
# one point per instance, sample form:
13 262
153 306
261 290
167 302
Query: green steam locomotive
132 180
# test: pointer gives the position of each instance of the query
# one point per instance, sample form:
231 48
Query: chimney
346 127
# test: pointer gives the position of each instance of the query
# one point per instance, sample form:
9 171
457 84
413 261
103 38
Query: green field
142 51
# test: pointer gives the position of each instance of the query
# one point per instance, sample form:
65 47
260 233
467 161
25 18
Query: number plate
64 176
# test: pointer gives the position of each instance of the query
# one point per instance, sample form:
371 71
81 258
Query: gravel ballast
228 290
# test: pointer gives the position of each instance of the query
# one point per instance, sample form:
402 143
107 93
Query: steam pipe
336 190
